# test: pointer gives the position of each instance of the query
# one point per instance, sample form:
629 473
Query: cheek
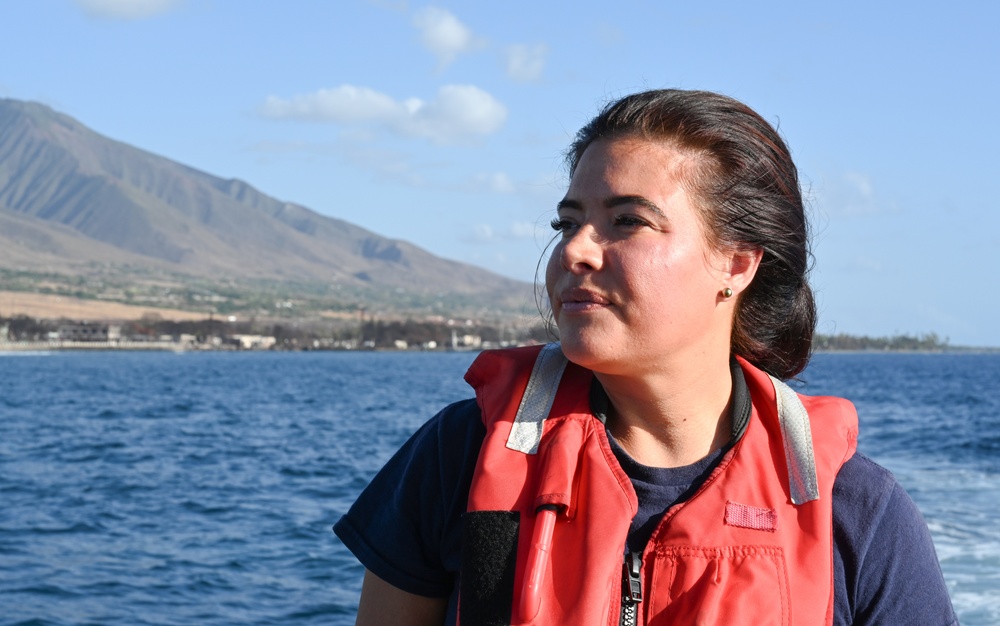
665 277
649 269
553 268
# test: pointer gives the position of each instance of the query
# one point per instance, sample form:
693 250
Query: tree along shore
285 335
429 334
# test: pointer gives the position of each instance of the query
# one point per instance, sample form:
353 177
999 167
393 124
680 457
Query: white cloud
458 110
290 147
851 194
495 182
456 113
355 150
861 184
485 233
127 9
346 104
523 230
389 165
443 34
482 233
526 62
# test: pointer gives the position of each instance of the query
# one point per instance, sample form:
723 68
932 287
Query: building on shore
88 331
254 342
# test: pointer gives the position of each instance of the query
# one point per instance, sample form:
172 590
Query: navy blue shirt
405 528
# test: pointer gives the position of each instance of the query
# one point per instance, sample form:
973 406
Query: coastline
178 346
67 346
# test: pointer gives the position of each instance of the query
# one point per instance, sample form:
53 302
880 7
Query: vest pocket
734 585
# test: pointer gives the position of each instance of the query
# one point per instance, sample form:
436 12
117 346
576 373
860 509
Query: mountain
72 200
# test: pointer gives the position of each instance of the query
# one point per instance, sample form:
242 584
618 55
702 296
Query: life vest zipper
631 589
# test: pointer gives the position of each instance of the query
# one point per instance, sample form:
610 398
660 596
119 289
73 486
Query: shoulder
862 491
450 440
457 429
405 525
885 566
461 421
868 499
444 451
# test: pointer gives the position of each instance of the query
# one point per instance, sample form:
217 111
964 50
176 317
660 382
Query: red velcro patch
752 517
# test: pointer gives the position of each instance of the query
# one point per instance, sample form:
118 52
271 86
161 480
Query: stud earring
727 293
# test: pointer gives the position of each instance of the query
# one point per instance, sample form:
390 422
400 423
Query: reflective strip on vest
796 437
536 403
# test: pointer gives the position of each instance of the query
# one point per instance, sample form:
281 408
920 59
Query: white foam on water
961 510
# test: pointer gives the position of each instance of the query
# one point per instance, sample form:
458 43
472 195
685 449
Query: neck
671 419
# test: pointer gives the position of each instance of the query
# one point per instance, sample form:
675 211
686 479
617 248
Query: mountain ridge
73 199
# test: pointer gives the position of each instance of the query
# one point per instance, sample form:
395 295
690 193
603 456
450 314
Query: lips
578 299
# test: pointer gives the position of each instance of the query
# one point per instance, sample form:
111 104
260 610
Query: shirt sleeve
405 527
884 559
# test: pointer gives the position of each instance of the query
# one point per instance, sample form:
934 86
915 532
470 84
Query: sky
444 123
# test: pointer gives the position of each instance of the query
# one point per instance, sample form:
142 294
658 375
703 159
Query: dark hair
748 190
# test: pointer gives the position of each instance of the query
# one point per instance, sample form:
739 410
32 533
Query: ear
740 268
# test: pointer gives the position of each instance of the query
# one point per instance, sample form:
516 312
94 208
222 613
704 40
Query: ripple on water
151 489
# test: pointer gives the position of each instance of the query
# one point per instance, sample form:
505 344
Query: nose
582 251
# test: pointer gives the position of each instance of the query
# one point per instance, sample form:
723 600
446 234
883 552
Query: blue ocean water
199 488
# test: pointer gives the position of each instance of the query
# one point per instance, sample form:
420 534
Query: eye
561 224
629 220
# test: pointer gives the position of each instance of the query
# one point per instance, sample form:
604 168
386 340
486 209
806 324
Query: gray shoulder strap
537 400
797 438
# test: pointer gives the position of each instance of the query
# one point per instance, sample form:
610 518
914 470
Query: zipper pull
631 588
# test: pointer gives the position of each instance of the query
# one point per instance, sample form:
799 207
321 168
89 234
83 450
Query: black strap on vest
489 556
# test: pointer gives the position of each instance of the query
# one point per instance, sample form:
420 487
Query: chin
584 351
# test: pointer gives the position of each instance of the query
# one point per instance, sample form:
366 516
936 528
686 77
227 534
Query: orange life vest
753 545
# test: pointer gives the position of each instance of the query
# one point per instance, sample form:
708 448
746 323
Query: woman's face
632 279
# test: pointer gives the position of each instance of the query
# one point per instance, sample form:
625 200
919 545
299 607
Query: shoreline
176 346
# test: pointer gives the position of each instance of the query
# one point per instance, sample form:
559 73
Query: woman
652 468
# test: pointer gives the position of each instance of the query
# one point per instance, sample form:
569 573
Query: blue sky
444 123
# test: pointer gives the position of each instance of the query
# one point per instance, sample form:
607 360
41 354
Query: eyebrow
612 202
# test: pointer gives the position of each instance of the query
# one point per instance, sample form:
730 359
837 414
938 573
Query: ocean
200 488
